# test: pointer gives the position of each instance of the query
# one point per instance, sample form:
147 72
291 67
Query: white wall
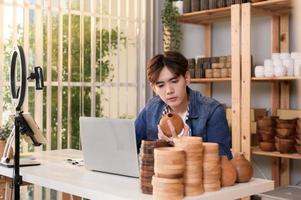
192 46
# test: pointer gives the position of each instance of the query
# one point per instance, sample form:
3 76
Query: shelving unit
279 10
240 16
206 18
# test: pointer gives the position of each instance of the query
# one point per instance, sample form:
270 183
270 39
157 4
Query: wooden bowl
210 147
286 145
298 130
169 162
264 122
289 121
193 189
285 132
286 125
267 137
261 131
267 146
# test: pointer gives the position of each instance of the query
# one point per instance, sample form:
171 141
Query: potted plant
172 34
5 131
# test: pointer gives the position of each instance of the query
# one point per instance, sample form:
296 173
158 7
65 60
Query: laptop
109 145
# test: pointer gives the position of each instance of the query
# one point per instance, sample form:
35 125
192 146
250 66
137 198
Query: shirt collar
193 106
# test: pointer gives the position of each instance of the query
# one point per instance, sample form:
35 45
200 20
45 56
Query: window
93 57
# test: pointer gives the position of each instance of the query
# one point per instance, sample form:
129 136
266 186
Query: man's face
172 88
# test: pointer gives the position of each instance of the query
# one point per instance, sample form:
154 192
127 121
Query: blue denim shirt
206 119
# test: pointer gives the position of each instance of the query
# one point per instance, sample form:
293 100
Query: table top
57 173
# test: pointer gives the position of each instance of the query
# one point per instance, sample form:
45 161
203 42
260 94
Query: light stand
22 125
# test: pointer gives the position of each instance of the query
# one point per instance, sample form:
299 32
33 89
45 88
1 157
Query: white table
56 173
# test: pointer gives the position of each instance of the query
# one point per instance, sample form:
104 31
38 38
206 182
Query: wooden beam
207 53
235 84
285 94
284 33
275 39
246 80
275 97
276 171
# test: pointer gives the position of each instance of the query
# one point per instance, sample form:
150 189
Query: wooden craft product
164 188
228 65
220 3
230 72
243 168
208 73
195 5
186 6
212 4
229 175
193 189
169 162
224 73
215 65
223 59
230 2
147 163
175 119
204 4
216 73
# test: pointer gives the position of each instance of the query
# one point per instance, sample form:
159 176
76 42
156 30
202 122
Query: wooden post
275 46
246 80
284 99
207 52
235 84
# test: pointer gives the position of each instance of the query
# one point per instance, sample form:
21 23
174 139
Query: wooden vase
243 168
229 175
176 121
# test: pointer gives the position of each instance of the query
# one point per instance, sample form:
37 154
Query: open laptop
109 145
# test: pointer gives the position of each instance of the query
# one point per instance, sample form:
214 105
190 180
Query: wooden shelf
270 7
208 80
206 16
284 78
257 151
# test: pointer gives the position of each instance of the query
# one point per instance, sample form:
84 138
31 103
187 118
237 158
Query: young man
203 116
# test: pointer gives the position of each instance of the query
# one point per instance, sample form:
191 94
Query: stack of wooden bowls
266 133
211 167
147 163
193 147
285 135
298 135
169 172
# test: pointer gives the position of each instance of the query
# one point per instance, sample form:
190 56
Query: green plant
5 130
172 34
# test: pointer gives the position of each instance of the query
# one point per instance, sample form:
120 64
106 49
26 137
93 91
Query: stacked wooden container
211 168
266 133
147 163
285 135
169 172
193 148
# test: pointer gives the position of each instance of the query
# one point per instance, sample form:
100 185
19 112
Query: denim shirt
206 119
